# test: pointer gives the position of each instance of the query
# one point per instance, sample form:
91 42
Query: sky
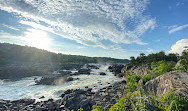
96 28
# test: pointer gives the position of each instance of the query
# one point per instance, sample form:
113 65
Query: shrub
146 78
172 101
97 108
132 82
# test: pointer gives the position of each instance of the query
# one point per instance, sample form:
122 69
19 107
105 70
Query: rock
69 79
116 69
84 71
175 80
62 95
92 67
138 70
124 82
41 97
71 100
77 99
102 73
57 79
50 99
89 89
68 91
140 83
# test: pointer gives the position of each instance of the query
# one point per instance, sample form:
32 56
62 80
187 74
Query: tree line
16 54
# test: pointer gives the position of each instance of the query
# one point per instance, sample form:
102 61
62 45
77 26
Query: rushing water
26 88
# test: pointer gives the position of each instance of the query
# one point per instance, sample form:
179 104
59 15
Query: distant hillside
16 54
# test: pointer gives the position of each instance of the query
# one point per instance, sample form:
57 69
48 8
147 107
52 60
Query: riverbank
71 100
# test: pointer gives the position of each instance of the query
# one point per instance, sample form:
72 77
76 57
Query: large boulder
175 80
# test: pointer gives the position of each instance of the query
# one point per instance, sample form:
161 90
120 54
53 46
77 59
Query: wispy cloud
179 4
115 21
175 29
10 27
81 47
149 50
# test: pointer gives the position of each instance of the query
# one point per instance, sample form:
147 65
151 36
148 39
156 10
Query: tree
142 54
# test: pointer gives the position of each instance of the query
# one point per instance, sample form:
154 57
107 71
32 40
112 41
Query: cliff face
138 70
175 80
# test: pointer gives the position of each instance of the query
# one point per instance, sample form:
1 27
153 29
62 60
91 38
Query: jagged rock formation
138 70
116 70
175 80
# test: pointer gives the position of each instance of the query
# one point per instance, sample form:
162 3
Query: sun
38 38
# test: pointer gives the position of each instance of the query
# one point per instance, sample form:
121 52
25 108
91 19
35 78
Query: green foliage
142 59
147 77
158 68
97 108
161 67
80 109
139 101
183 61
169 101
131 101
132 80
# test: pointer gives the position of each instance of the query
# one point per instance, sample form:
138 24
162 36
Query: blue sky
97 28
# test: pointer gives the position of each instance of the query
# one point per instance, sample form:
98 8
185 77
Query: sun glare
38 38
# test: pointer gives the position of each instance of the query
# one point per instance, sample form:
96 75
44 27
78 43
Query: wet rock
62 95
41 97
102 73
92 67
68 91
116 69
89 89
50 100
71 100
54 79
84 71
69 79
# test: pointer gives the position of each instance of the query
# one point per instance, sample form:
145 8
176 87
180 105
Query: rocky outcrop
138 70
175 80
18 105
71 100
84 71
92 66
57 79
116 70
